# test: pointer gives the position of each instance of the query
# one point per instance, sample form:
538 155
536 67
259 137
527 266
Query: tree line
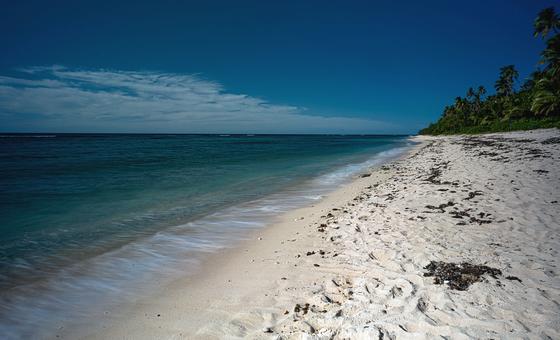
535 104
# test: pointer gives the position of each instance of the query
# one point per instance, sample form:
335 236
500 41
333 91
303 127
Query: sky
252 66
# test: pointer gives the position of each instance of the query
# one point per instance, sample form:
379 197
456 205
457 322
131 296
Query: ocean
95 219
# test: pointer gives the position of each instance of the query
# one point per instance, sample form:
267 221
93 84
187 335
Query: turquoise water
82 216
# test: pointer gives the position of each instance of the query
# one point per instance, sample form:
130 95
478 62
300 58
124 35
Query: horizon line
224 134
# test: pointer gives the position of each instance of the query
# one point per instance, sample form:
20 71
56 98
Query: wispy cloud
60 98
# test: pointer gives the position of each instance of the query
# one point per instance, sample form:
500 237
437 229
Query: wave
349 170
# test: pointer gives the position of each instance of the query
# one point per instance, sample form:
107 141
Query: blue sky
252 66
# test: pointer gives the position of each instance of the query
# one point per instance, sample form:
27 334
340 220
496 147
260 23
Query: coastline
217 270
97 287
352 265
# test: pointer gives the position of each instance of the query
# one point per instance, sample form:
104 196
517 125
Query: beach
457 239
280 170
92 223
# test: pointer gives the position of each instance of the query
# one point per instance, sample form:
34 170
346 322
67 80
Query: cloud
57 98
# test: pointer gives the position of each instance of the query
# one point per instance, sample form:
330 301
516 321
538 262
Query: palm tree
462 107
470 93
539 95
481 91
547 98
504 84
460 104
551 56
477 103
532 80
546 21
448 111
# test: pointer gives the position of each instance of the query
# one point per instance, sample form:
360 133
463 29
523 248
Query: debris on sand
301 308
472 195
435 173
513 278
553 140
441 207
458 276
460 214
480 221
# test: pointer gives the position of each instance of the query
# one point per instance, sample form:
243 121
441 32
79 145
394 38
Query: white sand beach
355 265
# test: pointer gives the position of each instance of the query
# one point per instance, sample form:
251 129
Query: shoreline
194 267
354 264
209 268
98 287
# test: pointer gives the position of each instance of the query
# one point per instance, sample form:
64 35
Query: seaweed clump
553 140
458 276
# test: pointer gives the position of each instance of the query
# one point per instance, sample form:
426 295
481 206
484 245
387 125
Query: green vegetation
536 104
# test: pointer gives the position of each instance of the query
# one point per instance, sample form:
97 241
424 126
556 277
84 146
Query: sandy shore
459 239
